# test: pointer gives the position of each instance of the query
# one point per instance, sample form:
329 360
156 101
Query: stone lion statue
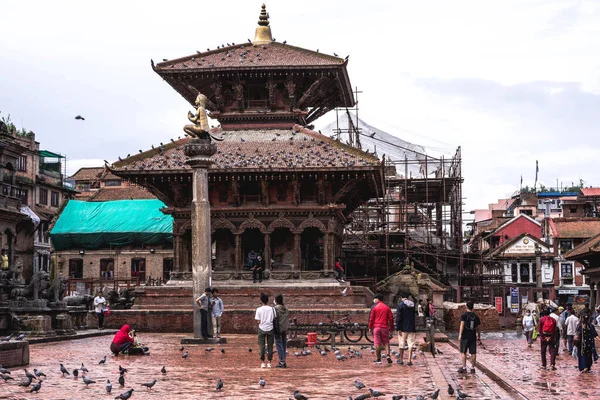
56 289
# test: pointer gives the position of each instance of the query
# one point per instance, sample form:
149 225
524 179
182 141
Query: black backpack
471 322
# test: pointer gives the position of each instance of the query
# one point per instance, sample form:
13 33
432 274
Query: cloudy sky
509 81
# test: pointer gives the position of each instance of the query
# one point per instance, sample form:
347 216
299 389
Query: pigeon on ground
450 390
219 385
376 393
4 370
122 370
397 397
359 384
185 355
87 381
103 361
121 380
209 349
323 352
108 386
223 351
462 395
39 374
435 394
29 375
262 382
36 388
75 373
149 384
420 397
25 382
21 336
126 395
6 377
64 370
80 118
363 396
250 350
83 368
299 396
181 348
344 292
163 370
6 338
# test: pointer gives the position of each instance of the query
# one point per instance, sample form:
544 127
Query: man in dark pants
547 338
203 302
468 336
257 269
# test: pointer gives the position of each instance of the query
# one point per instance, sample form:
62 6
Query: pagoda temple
276 186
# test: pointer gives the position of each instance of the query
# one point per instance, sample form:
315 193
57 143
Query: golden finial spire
263 30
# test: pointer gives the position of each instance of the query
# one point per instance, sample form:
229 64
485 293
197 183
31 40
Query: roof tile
576 228
590 192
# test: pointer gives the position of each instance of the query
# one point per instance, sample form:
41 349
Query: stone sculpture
75 301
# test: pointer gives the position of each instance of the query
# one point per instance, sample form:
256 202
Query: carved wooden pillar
297 252
238 252
267 252
177 252
326 251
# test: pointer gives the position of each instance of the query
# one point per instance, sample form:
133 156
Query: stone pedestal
14 354
37 325
199 152
64 325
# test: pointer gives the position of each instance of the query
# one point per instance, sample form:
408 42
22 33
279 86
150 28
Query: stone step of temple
246 297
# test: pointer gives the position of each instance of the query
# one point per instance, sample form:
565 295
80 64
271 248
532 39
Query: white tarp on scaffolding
382 143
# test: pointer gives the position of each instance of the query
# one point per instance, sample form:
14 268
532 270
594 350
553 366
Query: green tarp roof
93 225
49 154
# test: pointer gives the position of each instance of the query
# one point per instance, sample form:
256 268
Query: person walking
421 313
405 325
547 330
265 316
381 321
571 327
468 336
586 347
204 302
281 338
555 314
99 304
216 312
562 322
528 326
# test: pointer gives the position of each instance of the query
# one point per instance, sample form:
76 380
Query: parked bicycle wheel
368 336
323 336
353 333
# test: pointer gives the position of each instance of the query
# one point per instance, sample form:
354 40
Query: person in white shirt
265 315
555 315
99 304
528 326
571 323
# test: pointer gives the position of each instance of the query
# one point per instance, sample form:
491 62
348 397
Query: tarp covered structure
94 225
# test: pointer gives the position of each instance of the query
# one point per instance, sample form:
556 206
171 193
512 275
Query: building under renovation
419 219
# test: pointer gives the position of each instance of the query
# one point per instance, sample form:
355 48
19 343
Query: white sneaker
269 365
263 365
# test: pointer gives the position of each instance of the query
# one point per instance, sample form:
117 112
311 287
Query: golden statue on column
199 127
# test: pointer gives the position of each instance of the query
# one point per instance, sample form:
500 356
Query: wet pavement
510 371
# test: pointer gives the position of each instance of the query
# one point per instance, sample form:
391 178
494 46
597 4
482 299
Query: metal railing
91 285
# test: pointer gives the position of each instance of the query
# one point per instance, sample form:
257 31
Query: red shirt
338 266
381 316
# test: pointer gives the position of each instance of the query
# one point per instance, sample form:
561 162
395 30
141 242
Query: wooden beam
310 92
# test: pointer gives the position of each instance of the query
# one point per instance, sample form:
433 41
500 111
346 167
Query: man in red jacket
381 321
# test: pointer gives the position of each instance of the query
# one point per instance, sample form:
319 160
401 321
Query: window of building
167 268
573 210
282 192
223 193
566 273
43 263
514 274
107 268
138 268
564 246
21 194
43 196
527 212
524 270
76 268
54 199
22 163
42 237
112 182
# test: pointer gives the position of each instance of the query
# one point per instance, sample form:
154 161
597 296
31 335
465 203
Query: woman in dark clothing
281 339
586 346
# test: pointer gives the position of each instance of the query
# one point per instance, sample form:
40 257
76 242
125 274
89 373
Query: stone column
177 253
267 251
199 152
297 253
326 251
238 252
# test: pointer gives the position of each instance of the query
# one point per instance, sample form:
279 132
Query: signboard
514 300
568 291
524 301
499 304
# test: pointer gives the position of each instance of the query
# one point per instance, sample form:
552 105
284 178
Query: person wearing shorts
468 336
381 321
405 325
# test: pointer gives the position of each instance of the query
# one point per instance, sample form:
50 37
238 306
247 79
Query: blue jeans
570 343
281 344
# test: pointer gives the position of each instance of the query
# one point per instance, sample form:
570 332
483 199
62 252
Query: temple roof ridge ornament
263 30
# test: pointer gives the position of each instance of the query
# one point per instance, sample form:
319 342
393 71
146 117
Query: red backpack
548 326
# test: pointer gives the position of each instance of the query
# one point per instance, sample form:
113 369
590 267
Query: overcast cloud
508 81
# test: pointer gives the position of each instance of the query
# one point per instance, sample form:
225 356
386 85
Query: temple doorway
223 249
282 249
311 243
252 239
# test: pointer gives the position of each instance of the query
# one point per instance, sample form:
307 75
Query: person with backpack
547 330
468 336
